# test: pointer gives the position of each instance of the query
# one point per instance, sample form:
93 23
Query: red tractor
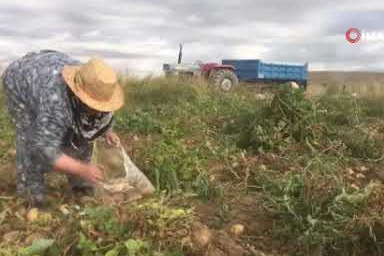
222 76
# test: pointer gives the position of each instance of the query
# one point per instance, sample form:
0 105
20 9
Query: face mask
89 123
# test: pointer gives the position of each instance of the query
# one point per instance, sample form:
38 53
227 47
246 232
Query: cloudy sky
139 36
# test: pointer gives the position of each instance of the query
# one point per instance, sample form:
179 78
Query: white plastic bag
122 175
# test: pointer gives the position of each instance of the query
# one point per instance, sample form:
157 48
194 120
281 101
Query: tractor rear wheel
225 79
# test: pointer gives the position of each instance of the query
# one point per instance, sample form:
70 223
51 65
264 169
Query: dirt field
235 175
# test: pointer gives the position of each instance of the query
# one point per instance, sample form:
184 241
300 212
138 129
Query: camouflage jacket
37 90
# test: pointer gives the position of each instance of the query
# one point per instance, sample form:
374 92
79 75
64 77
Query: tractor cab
222 76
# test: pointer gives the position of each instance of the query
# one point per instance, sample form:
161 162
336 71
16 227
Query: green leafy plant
104 219
316 210
172 165
137 121
38 247
287 119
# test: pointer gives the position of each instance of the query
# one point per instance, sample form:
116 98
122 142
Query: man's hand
92 174
112 138
69 165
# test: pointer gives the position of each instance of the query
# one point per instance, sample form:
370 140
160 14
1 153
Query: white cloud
141 35
93 34
248 51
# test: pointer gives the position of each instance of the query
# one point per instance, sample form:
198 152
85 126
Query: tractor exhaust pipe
180 54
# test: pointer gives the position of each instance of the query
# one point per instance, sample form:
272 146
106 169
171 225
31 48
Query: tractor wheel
225 79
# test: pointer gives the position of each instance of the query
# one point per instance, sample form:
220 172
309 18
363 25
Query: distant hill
360 82
347 78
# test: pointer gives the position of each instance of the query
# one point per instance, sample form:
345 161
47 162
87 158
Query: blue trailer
256 71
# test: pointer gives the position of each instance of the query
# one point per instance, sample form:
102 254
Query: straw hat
95 83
